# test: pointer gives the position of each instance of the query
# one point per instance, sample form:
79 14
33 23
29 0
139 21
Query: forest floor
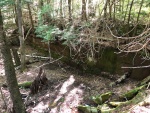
67 88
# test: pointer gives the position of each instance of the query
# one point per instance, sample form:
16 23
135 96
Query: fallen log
132 93
26 84
116 104
145 81
122 78
88 109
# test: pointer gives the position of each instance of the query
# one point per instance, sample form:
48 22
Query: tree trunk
105 8
138 17
10 72
114 15
84 16
126 11
69 8
128 27
16 20
91 9
122 6
30 15
61 9
110 9
21 37
16 57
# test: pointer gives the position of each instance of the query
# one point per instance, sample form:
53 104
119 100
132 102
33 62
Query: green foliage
43 30
68 35
46 10
47 32
6 2
50 32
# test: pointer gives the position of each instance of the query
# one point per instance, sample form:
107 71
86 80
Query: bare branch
137 67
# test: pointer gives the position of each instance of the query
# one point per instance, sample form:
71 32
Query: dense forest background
83 22
86 33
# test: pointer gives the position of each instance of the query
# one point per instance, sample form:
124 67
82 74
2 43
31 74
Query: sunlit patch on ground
62 99
142 107
68 99
2 71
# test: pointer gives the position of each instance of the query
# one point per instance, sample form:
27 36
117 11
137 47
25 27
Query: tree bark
61 9
129 16
84 15
30 16
10 72
69 8
110 9
105 9
21 37
16 57
126 12
138 17
114 15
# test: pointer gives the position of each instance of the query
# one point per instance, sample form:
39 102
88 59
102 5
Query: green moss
108 62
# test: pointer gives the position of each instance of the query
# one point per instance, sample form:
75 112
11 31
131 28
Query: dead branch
137 67
50 62
39 57
39 82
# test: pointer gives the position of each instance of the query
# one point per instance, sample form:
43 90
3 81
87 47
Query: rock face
108 60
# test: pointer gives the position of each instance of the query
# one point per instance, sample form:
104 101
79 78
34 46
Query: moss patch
108 61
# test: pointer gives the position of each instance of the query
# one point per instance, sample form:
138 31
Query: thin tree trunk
129 17
140 11
73 8
16 57
114 15
21 37
61 9
30 16
122 6
89 8
138 16
84 15
105 8
16 20
126 12
69 8
10 72
110 9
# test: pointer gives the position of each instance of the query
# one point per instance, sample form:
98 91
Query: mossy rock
88 109
116 104
100 99
132 93
105 108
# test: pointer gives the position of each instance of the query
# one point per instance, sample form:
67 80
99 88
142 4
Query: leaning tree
10 71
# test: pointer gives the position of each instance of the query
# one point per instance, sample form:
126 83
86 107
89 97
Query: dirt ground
66 89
